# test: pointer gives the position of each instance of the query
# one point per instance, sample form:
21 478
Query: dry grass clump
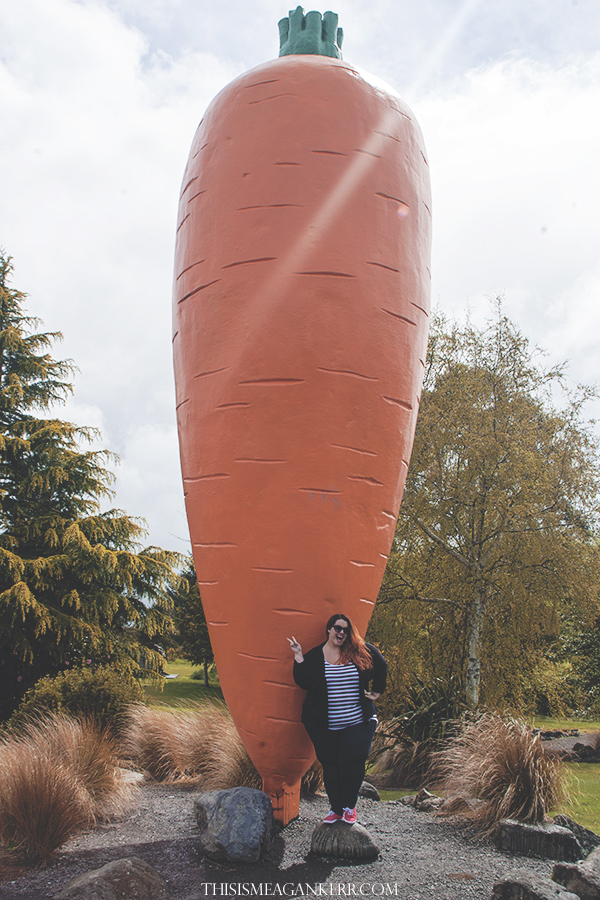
58 776
90 751
312 781
196 745
501 763
41 804
400 763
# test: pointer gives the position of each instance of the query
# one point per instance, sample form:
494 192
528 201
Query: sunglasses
339 629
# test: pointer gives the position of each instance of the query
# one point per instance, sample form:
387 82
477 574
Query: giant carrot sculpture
301 313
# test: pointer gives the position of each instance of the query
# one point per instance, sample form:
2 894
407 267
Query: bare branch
434 537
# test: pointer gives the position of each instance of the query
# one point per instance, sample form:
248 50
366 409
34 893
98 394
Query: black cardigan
310 676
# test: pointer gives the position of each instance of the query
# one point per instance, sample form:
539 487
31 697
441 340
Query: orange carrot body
301 307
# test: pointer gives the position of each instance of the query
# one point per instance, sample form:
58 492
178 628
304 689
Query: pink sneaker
332 817
349 816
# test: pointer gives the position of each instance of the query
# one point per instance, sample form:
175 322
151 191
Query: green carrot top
310 33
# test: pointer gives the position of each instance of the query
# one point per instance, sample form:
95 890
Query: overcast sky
99 101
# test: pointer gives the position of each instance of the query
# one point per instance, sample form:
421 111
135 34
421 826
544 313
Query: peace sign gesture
296 649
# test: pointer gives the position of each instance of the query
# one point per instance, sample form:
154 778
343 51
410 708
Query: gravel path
422 857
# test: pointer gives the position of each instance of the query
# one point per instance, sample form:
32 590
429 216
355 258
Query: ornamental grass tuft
503 765
196 745
400 763
58 776
41 805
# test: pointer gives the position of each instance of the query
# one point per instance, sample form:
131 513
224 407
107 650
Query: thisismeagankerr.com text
296 890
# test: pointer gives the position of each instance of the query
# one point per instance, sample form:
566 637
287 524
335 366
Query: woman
339 711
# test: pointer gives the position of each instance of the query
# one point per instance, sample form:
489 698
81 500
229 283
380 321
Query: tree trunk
475 626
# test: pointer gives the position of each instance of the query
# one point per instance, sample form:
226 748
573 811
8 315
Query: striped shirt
343 696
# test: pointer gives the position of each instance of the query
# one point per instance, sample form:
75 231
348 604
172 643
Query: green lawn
584 785
564 724
584 788
183 689
395 795
584 778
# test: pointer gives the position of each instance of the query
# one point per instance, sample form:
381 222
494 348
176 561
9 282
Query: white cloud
572 327
513 150
149 484
96 133
97 121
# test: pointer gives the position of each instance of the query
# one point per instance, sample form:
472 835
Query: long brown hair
354 649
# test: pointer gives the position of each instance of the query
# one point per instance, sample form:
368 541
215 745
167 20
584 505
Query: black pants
343 755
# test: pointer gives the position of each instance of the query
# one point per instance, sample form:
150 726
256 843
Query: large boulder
589 840
586 753
342 841
235 825
583 878
523 885
546 841
132 879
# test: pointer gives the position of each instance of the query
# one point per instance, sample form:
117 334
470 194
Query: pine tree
76 588
190 621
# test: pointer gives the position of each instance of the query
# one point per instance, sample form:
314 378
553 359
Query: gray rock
459 805
369 791
426 802
521 885
585 753
583 878
132 879
589 840
546 841
235 825
343 841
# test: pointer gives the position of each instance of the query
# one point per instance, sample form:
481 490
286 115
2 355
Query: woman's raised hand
296 649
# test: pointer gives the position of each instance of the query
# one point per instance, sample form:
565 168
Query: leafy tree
76 588
579 653
496 540
190 621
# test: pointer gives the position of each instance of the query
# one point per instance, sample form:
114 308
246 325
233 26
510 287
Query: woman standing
339 711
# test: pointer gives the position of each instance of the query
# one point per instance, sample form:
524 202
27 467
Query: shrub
58 776
500 762
404 746
431 709
197 745
198 674
103 694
